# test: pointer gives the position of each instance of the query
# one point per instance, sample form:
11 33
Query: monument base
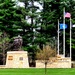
17 59
55 62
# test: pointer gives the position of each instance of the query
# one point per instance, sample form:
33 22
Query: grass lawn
33 71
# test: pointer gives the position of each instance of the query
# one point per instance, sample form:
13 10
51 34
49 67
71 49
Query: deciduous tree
45 55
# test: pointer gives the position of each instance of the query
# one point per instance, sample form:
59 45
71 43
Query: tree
10 17
4 46
45 55
29 13
29 28
52 11
48 23
10 20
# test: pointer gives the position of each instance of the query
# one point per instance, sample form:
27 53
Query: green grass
33 71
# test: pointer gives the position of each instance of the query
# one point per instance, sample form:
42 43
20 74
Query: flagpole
58 36
70 37
64 32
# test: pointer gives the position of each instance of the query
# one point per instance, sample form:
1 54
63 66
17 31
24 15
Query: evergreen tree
47 24
10 17
29 27
52 11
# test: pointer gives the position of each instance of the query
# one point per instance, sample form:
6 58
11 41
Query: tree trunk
45 67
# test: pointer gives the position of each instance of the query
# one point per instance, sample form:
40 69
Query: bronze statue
17 43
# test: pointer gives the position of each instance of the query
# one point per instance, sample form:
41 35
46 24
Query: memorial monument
17 58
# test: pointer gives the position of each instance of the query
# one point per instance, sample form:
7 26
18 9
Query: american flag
67 15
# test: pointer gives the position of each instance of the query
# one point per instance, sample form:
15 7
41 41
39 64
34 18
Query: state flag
63 26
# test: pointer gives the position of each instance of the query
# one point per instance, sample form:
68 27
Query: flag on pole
63 26
67 15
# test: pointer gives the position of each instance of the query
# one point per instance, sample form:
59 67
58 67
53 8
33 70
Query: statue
17 43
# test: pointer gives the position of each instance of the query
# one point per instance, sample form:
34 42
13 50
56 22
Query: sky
35 3
20 4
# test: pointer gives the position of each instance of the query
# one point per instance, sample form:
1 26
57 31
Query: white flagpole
58 36
70 37
64 32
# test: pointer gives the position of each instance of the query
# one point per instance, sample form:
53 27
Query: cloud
21 4
37 4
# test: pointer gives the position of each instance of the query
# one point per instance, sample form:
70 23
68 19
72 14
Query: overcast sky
35 3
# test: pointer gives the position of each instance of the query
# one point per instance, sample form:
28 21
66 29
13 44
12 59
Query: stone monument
17 58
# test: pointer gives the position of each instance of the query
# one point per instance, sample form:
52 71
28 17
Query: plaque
10 58
21 58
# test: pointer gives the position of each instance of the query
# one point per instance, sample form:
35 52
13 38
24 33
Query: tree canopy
10 17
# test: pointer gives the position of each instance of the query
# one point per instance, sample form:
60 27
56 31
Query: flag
67 15
73 25
63 26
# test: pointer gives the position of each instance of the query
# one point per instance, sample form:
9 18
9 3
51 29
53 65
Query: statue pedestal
17 59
